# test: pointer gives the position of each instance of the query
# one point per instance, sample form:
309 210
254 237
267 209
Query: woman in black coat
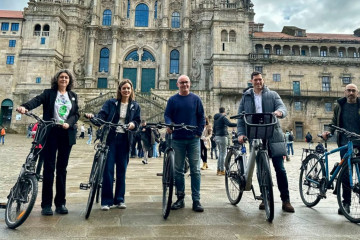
124 109
59 103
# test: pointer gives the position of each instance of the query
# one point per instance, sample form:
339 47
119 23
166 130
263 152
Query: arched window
224 36
155 12
37 30
147 55
141 15
104 60
232 36
107 18
175 20
128 10
46 28
174 61
132 56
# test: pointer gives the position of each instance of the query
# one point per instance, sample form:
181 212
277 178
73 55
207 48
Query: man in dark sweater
347 116
186 107
220 130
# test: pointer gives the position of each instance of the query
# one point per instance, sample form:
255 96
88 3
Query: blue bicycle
315 178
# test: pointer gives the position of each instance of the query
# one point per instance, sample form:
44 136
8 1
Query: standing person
346 115
82 130
124 110
59 103
289 142
29 129
220 129
145 133
2 134
90 133
205 143
260 99
155 139
213 147
308 139
186 107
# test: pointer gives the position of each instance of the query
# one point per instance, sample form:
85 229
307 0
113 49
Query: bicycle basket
260 125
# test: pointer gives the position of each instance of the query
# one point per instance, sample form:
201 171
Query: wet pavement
143 220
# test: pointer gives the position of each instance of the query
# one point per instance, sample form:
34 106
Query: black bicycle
98 166
22 196
168 166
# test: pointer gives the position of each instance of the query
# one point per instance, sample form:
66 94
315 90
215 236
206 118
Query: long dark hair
122 83
55 79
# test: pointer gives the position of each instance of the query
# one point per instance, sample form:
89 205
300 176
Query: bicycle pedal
84 186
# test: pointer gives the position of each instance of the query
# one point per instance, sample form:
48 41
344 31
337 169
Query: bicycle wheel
312 171
266 186
234 170
21 201
94 183
345 192
168 183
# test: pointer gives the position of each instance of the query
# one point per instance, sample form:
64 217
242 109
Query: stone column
186 54
165 13
90 61
112 78
163 79
138 75
117 13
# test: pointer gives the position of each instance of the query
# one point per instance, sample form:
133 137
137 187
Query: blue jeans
191 149
221 142
118 154
3 138
281 178
290 147
155 151
90 138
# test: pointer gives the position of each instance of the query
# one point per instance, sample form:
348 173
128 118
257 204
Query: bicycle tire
21 202
266 186
341 187
313 169
234 190
94 182
168 183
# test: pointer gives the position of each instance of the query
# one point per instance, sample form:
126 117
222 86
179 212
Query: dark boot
180 201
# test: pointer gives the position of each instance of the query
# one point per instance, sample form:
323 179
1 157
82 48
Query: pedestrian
2 134
220 129
162 146
145 133
82 131
205 143
29 129
90 133
155 139
124 110
308 139
213 147
140 151
346 115
260 99
186 107
61 104
289 142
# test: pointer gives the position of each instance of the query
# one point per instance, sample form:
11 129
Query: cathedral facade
152 42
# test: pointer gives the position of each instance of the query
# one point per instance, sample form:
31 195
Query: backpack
291 137
2 132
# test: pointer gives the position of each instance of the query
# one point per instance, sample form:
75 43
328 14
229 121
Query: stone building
152 42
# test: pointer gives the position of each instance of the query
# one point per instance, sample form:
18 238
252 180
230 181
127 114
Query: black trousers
56 156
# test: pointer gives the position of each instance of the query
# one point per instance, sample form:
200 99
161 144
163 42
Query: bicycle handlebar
347 133
37 118
99 122
172 126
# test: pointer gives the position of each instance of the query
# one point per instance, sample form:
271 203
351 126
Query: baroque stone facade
152 42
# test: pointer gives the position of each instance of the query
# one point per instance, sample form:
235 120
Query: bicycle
168 166
315 178
22 196
98 166
239 169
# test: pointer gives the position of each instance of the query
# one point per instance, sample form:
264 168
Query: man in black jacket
220 130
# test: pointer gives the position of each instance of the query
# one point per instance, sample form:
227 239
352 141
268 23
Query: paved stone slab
143 220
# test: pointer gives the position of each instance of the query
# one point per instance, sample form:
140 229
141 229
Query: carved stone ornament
79 67
195 70
175 5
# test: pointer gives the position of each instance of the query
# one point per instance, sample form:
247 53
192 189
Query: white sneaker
105 208
121 205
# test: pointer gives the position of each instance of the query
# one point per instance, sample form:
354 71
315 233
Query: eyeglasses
351 90
184 82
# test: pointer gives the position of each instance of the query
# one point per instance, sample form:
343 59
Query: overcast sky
316 16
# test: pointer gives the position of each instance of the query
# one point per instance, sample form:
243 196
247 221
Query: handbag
207 143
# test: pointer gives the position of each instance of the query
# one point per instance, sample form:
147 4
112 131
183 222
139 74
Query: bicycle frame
250 164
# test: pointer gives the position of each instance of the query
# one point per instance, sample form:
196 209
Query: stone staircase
152 105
